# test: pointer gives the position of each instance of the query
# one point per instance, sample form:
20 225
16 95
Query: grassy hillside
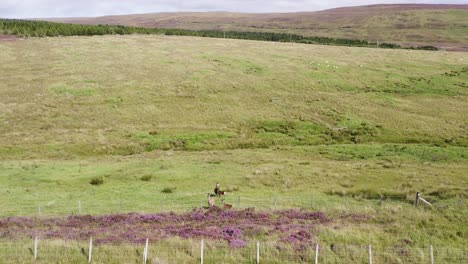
110 95
150 123
444 26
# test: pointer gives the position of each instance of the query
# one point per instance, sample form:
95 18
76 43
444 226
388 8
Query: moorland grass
73 97
325 127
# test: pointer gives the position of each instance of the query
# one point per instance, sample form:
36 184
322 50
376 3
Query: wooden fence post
35 247
432 254
201 251
40 210
145 252
316 253
258 252
416 201
370 254
90 252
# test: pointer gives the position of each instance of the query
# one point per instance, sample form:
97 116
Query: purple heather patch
235 227
237 243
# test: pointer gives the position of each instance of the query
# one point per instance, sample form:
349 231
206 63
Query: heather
237 228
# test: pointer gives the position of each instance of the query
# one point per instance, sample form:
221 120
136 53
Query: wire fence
62 206
195 251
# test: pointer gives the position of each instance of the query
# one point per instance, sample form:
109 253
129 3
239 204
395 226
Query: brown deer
227 206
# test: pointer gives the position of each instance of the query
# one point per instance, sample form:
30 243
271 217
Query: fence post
79 206
312 202
276 198
346 200
432 255
316 253
145 252
201 251
258 252
416 201
35 247
40 210
380 200
238 201
90 252
461 199
370 254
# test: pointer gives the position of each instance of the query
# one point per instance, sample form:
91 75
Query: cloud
67 8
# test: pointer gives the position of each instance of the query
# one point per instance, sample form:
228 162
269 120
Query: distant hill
444 26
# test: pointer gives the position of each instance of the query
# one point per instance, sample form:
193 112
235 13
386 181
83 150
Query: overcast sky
74 8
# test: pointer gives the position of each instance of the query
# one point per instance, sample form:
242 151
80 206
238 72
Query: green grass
65 91
188 251
210 97
331 128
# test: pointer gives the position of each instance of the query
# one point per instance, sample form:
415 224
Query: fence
192 251
62 206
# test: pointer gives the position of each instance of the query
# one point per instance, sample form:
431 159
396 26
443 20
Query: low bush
168 190
96 181
146 177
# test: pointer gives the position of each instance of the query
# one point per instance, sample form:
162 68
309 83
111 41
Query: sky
81 8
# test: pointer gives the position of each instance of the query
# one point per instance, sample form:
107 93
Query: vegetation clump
146 178
168 190
97 181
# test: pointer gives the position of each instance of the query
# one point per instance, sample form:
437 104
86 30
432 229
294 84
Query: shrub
146 178
168 190
96 181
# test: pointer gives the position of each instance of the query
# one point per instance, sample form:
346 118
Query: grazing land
148 124
444 26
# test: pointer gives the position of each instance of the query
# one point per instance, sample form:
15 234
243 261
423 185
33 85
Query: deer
227 206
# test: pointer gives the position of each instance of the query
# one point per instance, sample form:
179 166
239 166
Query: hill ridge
443 26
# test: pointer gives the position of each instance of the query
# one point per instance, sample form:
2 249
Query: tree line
31 28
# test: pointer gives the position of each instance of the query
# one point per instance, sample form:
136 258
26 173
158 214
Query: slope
444 26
